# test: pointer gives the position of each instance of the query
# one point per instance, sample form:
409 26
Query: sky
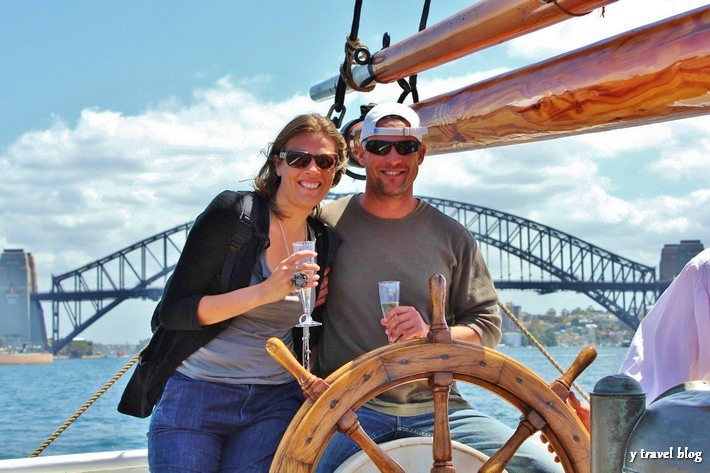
119 120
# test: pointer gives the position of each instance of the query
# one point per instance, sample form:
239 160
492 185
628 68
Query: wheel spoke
529 424
313 387
350 426
440 384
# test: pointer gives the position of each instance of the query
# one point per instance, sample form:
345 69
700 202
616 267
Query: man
388 234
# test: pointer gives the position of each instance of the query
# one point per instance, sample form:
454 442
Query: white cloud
612 143
686 162
619 17
112 179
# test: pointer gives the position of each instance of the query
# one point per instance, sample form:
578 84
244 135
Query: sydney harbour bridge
521 254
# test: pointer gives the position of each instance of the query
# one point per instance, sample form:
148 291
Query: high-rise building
512 336
675 256
507 325
21 319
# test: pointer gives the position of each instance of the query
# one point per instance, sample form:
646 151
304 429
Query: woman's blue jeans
199 426
468 426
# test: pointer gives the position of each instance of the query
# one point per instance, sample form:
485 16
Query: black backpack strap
247 206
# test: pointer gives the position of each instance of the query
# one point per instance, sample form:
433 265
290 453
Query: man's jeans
198 426
468 426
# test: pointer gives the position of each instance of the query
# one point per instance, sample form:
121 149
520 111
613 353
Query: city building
21 319
511 334
675 256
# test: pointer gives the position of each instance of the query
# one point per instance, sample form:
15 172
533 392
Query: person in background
672 343
222 402
388 234
670 346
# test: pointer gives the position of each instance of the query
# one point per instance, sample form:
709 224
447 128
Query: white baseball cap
383 110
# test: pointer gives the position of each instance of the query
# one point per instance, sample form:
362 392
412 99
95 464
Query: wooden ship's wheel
331 403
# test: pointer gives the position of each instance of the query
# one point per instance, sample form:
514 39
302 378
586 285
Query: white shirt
672 343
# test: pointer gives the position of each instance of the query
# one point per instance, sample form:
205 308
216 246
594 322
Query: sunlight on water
608 361
37 399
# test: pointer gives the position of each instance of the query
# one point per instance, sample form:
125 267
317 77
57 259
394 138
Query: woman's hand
280 283
582 411
218 307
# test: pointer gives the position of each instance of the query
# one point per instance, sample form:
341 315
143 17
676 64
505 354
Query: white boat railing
123 461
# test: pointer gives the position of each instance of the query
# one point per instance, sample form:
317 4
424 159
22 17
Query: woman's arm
199 264
212 309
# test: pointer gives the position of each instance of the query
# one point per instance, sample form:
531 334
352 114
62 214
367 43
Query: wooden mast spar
651 74
485 24
656 73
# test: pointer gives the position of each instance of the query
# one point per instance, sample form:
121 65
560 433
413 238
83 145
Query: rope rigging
567 12
411 86
86 405
357 53
539 346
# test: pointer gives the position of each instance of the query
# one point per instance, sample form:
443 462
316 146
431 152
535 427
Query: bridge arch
100 286
565 262
520 248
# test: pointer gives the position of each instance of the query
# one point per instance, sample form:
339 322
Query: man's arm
466 333
474 301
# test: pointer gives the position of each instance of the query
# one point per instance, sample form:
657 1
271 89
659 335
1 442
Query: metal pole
617 402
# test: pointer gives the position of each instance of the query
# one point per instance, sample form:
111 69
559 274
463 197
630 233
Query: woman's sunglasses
301 159
381 148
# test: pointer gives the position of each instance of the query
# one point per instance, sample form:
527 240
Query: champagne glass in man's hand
389 296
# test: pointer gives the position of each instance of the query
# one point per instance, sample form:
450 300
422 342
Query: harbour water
35 400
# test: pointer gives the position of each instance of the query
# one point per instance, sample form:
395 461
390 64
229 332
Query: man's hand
404 323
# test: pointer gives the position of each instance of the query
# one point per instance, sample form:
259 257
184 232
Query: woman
226 403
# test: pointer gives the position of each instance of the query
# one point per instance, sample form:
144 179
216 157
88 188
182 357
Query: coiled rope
539 346
86 405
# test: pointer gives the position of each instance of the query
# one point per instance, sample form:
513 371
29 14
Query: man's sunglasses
381 147
301 159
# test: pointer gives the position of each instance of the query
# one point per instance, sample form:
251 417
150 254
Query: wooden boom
485 24
655 73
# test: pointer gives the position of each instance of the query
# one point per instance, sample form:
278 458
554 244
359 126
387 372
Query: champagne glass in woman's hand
305 293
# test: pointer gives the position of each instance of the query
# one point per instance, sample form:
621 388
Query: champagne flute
305 293
305 321
389 296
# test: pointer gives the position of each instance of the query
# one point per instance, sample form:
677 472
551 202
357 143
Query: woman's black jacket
176 333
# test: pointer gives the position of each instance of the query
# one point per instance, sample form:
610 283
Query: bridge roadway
521 254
